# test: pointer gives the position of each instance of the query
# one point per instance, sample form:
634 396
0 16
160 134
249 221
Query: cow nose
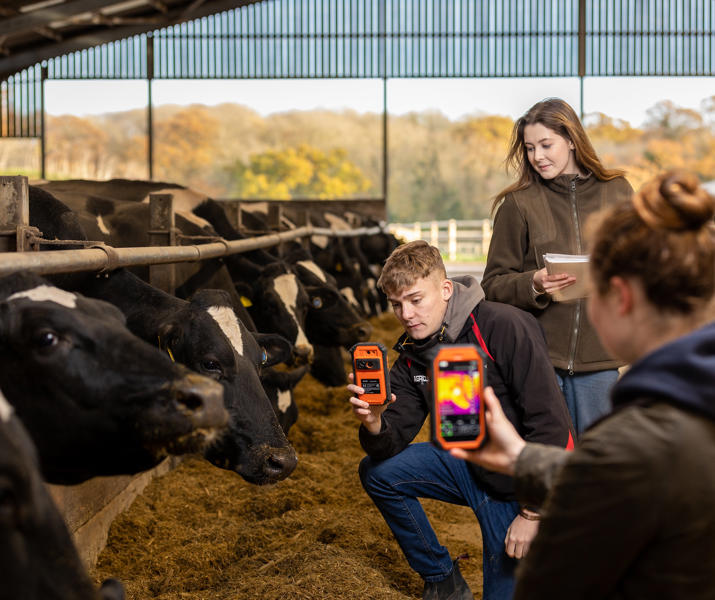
201 400
280 462
362 330
304 353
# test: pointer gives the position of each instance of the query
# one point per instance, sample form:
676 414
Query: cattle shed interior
43 40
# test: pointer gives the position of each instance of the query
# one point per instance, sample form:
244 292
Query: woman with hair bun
629 513
561 182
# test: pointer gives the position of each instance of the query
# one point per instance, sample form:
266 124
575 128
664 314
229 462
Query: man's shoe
452 588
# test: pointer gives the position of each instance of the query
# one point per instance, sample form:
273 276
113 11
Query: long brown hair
665 238
557 115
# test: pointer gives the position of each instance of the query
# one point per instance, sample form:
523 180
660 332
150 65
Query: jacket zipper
577 312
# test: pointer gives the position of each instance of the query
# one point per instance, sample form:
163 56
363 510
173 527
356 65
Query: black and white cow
96 399
39 560
206 335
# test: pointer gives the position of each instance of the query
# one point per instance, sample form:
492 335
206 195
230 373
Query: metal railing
16 234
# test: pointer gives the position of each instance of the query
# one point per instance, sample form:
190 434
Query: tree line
438 168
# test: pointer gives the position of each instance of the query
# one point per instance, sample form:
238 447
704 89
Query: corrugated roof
34 30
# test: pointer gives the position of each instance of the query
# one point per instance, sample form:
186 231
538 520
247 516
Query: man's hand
519 536
370 415
504 445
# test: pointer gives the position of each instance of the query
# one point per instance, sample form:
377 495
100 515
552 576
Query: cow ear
245 293
276 349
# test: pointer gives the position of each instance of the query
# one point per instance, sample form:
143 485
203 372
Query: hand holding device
370 372
457 378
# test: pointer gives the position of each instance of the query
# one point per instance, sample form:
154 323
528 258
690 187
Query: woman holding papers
560 182
628 513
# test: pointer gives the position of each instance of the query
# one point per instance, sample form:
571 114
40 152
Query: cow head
207 336
39 560
279 304
96 399
331 319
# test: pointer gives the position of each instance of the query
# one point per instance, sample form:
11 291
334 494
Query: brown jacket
549 216
629 513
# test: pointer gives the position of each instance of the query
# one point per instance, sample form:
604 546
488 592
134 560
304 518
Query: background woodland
438 168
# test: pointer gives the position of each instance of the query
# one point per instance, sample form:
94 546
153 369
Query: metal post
162 233
43 148
434 234
385 171
486 236
14 212
581 49
275 214
149 113
302 219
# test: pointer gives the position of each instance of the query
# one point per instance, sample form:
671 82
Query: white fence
455 239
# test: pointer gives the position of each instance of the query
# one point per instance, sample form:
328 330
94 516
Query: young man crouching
395 473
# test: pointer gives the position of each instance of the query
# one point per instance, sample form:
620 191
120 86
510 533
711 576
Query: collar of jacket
562 183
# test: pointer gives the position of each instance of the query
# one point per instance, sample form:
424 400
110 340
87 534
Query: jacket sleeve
537 468
401 421
519 347
504 277
603 508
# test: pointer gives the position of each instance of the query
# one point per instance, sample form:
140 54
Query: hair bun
676 201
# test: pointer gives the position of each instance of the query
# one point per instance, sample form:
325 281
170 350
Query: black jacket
520 373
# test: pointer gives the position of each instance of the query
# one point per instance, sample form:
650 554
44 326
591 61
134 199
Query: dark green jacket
549 216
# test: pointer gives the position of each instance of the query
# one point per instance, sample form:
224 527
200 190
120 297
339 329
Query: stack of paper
573 264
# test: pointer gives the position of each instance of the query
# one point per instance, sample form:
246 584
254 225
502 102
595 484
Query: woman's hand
548 284
504 444
370 415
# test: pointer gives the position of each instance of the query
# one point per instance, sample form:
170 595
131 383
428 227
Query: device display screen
458 399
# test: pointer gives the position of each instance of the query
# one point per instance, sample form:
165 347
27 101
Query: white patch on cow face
196 220
47 293
314 269
320 240
286 287
350 295
227 321
336 222
284 400
102 227
6 409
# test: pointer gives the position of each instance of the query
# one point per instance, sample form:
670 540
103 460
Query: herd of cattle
104 374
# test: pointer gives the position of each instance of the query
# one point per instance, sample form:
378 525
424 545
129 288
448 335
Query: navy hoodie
681 373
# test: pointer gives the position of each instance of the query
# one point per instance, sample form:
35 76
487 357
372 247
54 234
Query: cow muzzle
200 400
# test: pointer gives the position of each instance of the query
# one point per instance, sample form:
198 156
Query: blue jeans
588 395
424 471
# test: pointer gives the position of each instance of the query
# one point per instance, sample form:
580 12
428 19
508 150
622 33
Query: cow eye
317 302
212 366
46 339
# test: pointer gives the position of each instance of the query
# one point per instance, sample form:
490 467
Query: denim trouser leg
588 395
423 471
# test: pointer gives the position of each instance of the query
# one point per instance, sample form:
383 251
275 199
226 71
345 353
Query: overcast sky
623 98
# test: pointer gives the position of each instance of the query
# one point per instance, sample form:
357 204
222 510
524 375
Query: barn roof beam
20 60
31 21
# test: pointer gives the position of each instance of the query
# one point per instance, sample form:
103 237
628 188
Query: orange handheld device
370 371
457 378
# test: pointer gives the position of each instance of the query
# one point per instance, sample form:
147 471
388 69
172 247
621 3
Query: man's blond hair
408 263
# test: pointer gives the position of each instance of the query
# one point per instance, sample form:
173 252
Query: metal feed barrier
19 242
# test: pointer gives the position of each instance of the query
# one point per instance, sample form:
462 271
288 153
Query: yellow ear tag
246 302
339 267
171 356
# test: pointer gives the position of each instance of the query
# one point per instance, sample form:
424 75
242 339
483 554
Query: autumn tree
303 171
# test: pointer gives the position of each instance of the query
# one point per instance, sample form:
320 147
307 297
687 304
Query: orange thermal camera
457 379
370 371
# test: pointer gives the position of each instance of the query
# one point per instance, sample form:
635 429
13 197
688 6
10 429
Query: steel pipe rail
101 258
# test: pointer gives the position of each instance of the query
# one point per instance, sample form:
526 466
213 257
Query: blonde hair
408 263
559 117
665 238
